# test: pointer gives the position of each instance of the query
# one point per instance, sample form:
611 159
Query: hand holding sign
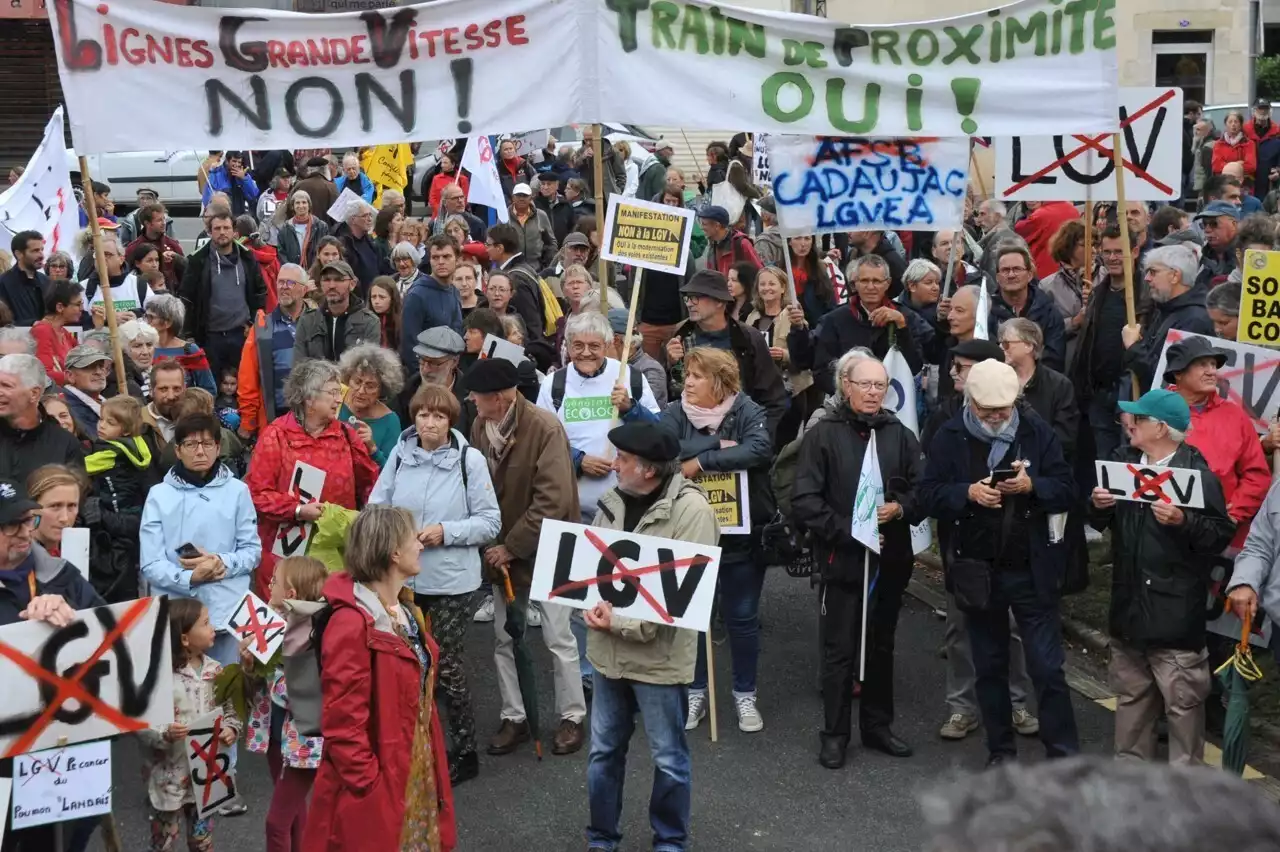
254 620
1170 486
212 776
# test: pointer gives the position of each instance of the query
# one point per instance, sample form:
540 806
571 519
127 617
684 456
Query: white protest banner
901 400
61 784
760 159
496 347
1151 483
485 187
531 144
75 548
646 234
730 499
654 579
1250 377
253 618
43 199
113 664
307 483
827 184
213 778
1036 66
1081 166
868 497
262 78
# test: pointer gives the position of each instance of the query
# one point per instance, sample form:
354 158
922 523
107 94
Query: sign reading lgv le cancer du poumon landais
262 78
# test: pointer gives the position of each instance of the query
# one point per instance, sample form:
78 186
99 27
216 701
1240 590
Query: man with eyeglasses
998 484
826 484
1221 223
1180 304
267 356
29 438
453 200
870 320
1017 297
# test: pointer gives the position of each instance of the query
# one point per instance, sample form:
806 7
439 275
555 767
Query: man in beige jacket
639 665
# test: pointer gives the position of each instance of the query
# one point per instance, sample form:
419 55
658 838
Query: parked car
1218 113
172 174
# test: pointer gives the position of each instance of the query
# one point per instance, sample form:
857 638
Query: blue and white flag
901 400
868 498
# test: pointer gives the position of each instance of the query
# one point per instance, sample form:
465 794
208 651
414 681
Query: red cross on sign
1150 484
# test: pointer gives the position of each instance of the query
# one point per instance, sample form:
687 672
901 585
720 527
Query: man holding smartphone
233 178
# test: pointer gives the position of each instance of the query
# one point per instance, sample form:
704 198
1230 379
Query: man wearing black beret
528 455
639 664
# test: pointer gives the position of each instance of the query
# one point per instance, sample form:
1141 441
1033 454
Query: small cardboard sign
1149 483
653 579
255 619
213 779
730 499
497 347
648 235
61 784
307 484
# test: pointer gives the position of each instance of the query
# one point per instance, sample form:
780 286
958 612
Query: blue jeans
662 709
1040 625
741 579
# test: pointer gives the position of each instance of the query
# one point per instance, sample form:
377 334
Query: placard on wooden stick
647 235
1149 483
653 579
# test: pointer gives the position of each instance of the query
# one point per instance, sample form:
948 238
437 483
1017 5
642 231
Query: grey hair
350 156
293 267
374 360
974 290
169 308
1027 331
61 257
918 269
873 261
586 323
15 334
661 470
461 221
359 208
137 329
1100 805
514 321
851 359
1177 257
1176 435
407 250
305 381
27 368
301 193
997 207
1225 298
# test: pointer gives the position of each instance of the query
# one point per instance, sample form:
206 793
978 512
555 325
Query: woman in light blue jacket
202 504
445 483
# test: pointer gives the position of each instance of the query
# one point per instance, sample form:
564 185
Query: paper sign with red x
1250 378
209 764
62 688
653 579
254 619
1148 483
1080 167
1150 487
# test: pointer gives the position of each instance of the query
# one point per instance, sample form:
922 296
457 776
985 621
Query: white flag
868 498
485 187
43 199
980 330
901 400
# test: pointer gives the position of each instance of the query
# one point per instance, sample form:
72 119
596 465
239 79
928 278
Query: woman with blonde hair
769 301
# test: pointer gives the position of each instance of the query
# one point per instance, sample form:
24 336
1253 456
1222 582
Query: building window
1184 58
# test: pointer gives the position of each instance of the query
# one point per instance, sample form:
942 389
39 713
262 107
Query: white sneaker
697 710
484 614
749 718
534 619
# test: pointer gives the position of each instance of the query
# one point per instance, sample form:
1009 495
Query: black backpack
559 379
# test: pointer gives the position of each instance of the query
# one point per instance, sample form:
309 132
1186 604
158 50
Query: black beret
978 349
490 375
648 441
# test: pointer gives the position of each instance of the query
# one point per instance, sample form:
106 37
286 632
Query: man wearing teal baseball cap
1160 556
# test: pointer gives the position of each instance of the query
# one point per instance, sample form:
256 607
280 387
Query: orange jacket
257 409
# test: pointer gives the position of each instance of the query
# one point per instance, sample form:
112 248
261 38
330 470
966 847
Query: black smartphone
188 551
1003 474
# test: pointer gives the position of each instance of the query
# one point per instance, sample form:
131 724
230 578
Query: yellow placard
726 492
648 235
386 165
1260 299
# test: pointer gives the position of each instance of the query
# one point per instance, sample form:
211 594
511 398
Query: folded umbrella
1236 674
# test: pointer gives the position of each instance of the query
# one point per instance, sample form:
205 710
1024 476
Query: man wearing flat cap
86 369
726 245
528 455
341 322
440 351
640 665
996 480
1160 558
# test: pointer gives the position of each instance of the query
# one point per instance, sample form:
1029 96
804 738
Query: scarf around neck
1235 139
706 418
1000 442
499 433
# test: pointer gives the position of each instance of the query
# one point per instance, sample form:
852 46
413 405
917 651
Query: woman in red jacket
1235 147
310 434
447 176
63 305
383 783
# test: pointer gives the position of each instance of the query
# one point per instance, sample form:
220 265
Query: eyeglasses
1007 344
335 393
866 385
578 347
32 522
193 446
1007 272
283 281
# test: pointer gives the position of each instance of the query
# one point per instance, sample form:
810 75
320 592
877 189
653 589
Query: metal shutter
31 91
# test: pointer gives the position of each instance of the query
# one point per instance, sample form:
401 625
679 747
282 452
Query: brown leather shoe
510 735
569 737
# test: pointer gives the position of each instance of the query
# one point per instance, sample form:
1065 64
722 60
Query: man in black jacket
1019 295
222 290
867 243
1180 303
503 244
23 286
1160 556
549 201
823 501
29 438
870 320
706 295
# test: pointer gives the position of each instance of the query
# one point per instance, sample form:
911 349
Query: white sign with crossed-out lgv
1151 483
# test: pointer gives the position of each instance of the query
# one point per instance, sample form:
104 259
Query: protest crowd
365 405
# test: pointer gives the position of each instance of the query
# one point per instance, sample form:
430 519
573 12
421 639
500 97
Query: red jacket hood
265 254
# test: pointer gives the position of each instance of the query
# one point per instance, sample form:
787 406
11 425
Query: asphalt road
762 792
